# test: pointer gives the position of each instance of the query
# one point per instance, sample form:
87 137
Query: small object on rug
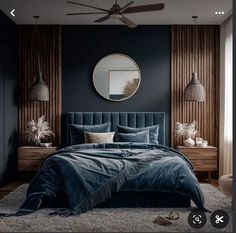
162 221
173 216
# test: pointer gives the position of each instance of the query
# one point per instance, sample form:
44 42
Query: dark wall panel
83 46
8 98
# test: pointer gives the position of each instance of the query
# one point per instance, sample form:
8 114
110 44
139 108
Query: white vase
46 144
189 142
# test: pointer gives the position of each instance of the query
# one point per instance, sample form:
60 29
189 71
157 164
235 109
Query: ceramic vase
189 142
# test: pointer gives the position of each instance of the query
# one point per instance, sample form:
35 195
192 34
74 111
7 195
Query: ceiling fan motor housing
115 8
114 12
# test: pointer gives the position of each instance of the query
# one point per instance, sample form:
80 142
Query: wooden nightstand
203 158
31 157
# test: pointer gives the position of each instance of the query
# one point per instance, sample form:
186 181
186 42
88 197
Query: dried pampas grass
186 130
38 130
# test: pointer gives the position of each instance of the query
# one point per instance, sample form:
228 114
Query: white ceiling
175 11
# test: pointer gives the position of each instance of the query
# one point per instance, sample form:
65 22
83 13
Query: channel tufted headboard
131 119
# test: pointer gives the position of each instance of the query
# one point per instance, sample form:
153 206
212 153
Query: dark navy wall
83 46
8 97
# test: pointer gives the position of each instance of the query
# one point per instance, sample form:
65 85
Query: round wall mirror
116 77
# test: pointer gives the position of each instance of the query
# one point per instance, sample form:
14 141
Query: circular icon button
219 219
197 219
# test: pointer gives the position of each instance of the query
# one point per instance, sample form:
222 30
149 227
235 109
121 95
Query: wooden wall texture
203 58
49 43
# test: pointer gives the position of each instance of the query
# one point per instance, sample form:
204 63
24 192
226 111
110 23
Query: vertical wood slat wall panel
49 44
205 59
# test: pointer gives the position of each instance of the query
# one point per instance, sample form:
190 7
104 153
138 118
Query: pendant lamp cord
36 26
194 41
36 32
37 47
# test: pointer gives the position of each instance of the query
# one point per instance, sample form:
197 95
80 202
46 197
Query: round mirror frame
134 62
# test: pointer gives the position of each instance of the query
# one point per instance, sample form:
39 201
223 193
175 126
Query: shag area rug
109 220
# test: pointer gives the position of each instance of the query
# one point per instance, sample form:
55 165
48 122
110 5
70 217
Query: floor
13 185
9 188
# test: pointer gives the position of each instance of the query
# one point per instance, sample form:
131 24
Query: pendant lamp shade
39 90
194 91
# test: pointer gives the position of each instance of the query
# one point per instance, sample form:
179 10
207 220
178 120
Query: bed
122 174
136 120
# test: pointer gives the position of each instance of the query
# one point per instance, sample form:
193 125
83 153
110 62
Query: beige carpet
109 220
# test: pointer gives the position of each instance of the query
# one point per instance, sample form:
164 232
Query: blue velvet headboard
131 119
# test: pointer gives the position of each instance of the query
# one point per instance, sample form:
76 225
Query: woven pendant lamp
39 90
194 91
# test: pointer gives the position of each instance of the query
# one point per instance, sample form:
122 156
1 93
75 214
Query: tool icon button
197 219
219 219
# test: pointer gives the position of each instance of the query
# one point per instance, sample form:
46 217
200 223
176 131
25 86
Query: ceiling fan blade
102 19
126 6
94 7
144 8
128 22
88 13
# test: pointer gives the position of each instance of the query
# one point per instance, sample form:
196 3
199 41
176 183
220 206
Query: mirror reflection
116 77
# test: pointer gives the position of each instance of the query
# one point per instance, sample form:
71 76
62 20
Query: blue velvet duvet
86 175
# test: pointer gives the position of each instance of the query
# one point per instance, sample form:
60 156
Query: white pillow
91 137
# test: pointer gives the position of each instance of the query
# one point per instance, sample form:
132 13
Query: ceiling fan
117 12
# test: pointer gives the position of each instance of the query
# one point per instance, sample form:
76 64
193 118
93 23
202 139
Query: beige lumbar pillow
98 137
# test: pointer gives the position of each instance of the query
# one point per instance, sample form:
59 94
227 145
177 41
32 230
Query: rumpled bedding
86 175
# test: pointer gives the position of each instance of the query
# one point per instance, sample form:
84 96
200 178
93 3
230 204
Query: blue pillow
153 131
77 131
142 136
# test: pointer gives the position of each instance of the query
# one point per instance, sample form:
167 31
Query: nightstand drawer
202 154
35 153
29 165
204 165
203 159
30 158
